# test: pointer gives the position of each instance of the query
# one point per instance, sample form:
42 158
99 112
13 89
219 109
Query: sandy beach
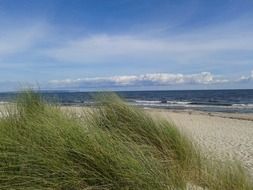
220 134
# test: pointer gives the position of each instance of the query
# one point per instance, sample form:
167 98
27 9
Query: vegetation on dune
114 146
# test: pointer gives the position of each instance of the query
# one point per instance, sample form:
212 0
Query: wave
242 105
166 103
179 102
183 103
147 101
211 103
160 102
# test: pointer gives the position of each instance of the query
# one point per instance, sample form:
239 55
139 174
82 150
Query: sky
85 45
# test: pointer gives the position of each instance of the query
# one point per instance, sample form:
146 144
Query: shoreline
238 116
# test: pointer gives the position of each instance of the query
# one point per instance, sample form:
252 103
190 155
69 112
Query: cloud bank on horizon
146 80
126 44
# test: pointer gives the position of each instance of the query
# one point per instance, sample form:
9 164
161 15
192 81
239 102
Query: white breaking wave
147 101
161 102
242 105
179 102
187 104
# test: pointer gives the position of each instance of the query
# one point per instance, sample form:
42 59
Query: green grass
114 146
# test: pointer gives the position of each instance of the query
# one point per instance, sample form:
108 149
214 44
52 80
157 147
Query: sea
229 101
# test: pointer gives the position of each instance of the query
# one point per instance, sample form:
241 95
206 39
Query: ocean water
234 101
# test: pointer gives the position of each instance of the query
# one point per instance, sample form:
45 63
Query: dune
117 146
226 136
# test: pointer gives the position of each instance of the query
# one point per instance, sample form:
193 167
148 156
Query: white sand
223 135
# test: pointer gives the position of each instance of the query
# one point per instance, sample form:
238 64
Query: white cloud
155 79
137 82
246 78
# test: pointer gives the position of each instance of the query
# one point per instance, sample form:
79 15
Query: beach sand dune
220 135
224 136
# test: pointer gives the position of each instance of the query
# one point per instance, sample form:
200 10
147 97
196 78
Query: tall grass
113 146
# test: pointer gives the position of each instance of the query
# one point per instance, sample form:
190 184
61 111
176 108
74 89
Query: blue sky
126 44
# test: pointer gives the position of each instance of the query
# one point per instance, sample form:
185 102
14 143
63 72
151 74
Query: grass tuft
113 146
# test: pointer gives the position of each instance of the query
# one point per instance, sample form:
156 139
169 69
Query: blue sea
232 101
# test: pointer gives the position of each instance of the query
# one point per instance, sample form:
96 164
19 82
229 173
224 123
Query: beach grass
109 147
